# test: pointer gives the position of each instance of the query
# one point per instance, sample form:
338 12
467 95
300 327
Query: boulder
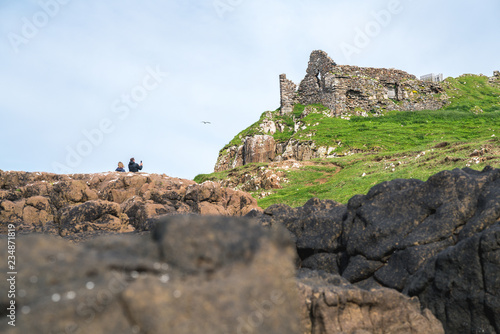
195 275
404 223
392 231
209 198
330 305
317 226
461 285
71 192
92 216
259 148
139 212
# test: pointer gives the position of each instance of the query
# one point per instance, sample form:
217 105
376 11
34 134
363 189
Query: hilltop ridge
334 91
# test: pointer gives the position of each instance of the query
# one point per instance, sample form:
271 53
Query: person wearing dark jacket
133 166
120 167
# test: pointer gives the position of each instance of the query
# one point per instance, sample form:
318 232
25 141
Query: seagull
205 122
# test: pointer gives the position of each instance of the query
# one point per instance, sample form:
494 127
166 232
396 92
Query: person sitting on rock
133 166
121 167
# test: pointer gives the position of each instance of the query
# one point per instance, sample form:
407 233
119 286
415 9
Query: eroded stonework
495 79
354 90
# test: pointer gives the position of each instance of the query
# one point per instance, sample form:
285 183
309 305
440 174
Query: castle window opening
353 97
353 94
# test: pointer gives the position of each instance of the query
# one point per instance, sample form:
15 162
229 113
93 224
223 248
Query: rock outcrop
255 177
495 79
192 275
333 305
435 239
407 257
268 151
118 202
461 285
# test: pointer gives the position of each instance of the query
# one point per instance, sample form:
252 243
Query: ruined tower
288 94
357 90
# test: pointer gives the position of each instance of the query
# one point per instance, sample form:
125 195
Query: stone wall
495 79
352 89
288 92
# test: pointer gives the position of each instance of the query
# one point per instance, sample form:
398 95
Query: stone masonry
495 79
288 92
351 89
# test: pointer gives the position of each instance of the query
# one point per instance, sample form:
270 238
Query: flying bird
206 122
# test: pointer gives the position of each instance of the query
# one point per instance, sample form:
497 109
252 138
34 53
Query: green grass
360 172
398 131
222 175
468 91
375 149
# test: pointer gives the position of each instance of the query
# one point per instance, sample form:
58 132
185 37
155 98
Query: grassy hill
376 148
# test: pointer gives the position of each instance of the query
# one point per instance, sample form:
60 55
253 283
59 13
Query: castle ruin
356 90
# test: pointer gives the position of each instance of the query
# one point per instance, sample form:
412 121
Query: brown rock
139 212
230 158
211 198
71 192
330 304
206 208
92 216
34 201
199 275
259 148
38 215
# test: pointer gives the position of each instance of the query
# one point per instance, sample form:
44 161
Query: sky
87 83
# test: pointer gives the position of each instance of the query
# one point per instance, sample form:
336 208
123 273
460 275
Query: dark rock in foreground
193 275
363 264
461 285
436 239
196 275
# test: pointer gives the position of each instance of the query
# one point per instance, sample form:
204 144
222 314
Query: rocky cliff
120 202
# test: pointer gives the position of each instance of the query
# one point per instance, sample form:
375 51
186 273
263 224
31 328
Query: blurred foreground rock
192 275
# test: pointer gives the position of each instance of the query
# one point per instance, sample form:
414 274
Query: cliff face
117 202
333 91
296 141
268 150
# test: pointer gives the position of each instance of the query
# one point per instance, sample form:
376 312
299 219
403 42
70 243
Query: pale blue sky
85 84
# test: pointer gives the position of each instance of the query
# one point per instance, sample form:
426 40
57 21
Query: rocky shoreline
407 257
